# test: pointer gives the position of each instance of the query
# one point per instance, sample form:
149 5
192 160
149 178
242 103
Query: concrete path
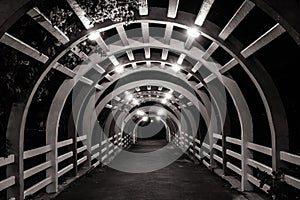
182 180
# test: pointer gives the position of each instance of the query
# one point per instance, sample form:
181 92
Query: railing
106 150
203 152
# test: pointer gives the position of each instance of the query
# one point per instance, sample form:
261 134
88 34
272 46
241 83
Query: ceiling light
145 118
161 112
94 36
176 68
168 96
140 113
135 102
192 32
164 101
119 69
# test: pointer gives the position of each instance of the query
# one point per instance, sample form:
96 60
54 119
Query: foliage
279 189
113 10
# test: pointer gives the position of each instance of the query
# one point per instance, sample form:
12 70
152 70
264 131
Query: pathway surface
182 180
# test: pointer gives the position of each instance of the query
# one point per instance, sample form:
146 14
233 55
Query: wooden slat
81 14
217 136
206 145
130 55
6 183
143 10
81 160
218 147
64 156
242 12
96 164
260 148
18 45
206 163
38 186
291 158
34 170
68 72
234 168
233 154
196 67
259 165
292 181
256 182
81 149
217 158
265 39
211 49
37 151
65 170
203 12
147 52
40 18
233 140
168 33
172 9
181 59
145 32
229 65
99 69
122 33
6 161
102 44
64 143
96 155
93 148
81 138
86 80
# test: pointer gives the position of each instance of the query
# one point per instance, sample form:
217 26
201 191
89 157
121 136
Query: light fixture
158 118
176 68
164 101
168 96
140 113
94 36
145 118
119 69
135 102
192 32
160 112
129 97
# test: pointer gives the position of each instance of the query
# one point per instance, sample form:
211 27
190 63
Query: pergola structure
168 59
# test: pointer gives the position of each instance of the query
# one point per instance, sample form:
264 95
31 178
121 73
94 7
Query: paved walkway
182 180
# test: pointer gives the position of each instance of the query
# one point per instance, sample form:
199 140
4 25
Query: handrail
38 151
291 158
64 143
6 161
233 140
259 148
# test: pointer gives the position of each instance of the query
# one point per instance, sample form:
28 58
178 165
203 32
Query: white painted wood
7 183
95 147
242 12
217 147
68 72
143 9
17 44
81 14
259 165
206 145
81 149
168 33
33 189
256 182
181 59
218 158
65 170
172 9
204 162
164 55
99 69
81 160
40 18
292 181
34 170
81 138
229 65
122 33
263 40
233 140
145 32
291 158
234 168
211 49
259 148
64 143
38 151
6 161
203 12
196 67
86 80
147 52
234 154
130 55
64 156
217 136
96 155
102 44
